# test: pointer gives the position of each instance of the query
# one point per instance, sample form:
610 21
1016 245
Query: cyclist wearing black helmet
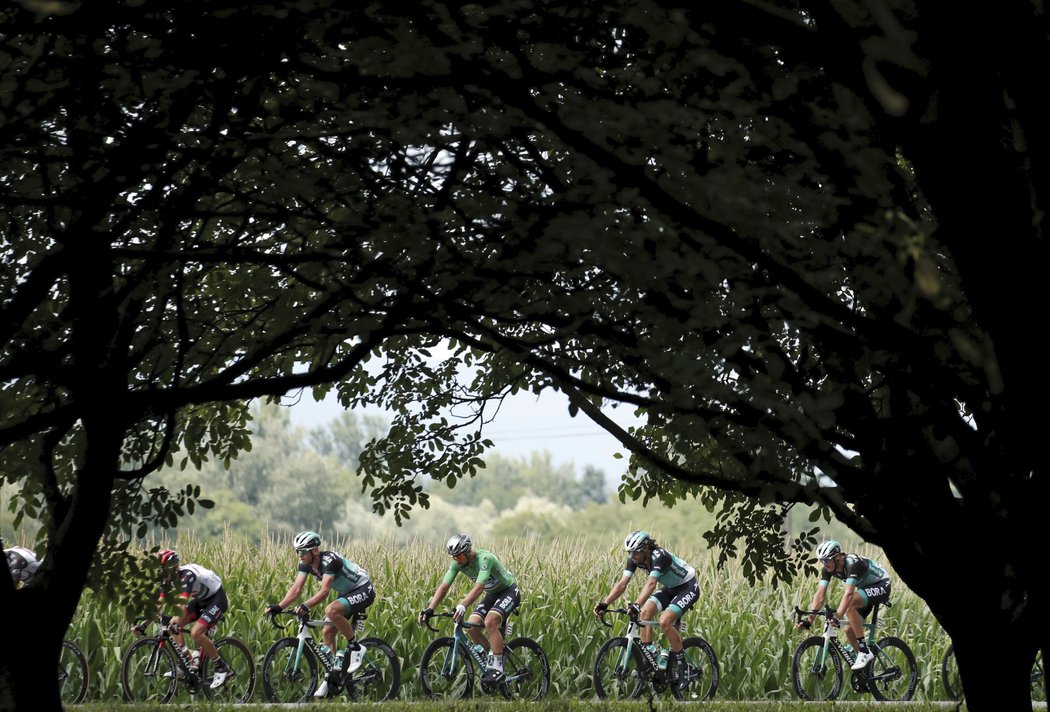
679 593
351 582
867 583
501 598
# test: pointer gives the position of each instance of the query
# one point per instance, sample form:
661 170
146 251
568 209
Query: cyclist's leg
499 610
674 602
342 609
204 615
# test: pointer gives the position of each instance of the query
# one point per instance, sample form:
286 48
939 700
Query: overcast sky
526 423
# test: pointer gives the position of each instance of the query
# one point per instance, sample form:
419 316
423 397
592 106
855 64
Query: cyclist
501 598
352 584
867 583
679 593
203 601
22 564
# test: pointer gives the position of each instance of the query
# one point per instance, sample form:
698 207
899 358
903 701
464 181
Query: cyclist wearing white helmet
23 565
867 583
203 601
336 573
679 593
501 598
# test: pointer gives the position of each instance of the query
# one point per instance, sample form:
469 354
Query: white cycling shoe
322 689
863 658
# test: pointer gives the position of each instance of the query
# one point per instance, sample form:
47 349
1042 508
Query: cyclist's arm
617 590
322 594
818 599
439 595
473 594
294 590
647 590
848 594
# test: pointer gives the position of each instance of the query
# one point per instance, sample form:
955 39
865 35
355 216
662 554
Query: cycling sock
497 662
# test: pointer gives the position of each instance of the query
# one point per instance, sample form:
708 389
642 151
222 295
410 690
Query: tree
767 227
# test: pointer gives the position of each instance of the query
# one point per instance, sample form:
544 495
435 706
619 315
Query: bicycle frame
634 639
464 642
832 645
307 642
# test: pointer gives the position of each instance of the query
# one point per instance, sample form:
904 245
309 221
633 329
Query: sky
526 423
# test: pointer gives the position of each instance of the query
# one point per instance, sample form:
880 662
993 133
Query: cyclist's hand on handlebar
272 610
835 621
138 629
302 610
804 624
459 613
633 610
424 615
600 608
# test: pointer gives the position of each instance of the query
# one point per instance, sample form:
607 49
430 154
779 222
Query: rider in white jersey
22 564
203 602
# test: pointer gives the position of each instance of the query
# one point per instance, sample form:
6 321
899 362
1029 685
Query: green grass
751 628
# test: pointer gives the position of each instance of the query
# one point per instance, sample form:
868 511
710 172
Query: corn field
751 628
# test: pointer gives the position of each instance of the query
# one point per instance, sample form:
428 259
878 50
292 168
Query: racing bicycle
292 665
153 668
816 669
625 666
449 664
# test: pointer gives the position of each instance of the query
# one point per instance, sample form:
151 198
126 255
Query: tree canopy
789 234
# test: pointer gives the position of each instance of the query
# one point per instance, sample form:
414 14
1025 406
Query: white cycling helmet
636 540
304 541
458 544
828 549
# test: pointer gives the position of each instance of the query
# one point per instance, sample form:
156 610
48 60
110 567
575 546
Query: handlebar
626 612
449 614
304 619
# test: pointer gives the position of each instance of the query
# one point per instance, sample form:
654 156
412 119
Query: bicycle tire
893 672
149 672
72 674
240 684
526 669
445 676
378 678
617 674
811 672
286 678
702 671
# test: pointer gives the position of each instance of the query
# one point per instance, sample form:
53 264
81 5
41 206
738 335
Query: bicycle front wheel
240 682
816 671
618 671
702 674
378 678
149 672
950 674
894 673
72 674
446 670
289 672
527 674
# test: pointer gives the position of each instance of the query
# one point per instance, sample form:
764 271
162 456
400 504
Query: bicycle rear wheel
240 682
72 674
950 674
446 670
149 672
894 673
617 672
527 674
378 678
288 674
816 671
702 674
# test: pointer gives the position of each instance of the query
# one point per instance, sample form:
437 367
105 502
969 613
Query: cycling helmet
828 549
458 544
167 556
304 541
636 540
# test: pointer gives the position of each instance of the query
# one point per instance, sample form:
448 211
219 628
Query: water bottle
510 629
339 659
664 655
479 651
326 653
195 659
